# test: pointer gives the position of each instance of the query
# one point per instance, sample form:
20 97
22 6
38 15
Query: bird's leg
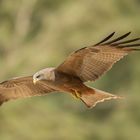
76 94
73 95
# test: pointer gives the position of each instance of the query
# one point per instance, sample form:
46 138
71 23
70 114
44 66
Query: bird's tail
93 96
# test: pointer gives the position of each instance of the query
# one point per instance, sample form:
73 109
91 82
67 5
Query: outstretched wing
21 88
90 63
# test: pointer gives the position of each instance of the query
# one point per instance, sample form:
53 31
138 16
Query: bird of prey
83 65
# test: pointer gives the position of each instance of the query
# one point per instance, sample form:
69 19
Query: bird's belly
67 85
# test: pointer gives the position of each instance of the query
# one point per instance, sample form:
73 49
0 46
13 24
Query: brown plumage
86 64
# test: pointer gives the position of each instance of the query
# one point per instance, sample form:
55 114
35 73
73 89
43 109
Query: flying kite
83 65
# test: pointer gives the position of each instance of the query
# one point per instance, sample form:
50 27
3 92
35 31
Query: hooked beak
34 81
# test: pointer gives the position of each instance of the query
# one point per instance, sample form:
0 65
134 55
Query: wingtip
113 33
117 39
125 42
127 34
103 42
105 39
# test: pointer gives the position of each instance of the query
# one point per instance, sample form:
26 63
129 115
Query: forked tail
94 96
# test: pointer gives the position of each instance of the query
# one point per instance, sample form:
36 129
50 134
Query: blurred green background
35 34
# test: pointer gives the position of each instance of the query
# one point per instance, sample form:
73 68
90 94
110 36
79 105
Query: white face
45 74
38 76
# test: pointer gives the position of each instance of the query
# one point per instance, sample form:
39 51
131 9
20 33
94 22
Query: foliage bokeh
35 34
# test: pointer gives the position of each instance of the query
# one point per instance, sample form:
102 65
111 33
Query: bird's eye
38 76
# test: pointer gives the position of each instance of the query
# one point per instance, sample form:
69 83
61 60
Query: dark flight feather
105 39
125 42
117 39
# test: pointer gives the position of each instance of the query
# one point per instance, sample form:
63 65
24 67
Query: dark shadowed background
35 34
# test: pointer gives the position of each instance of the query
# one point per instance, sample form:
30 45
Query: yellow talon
77 95
74 96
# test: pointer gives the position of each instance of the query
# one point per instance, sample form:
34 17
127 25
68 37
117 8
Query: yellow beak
34 81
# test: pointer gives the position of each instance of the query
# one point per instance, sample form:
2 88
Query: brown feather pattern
85 64
21 88
91 62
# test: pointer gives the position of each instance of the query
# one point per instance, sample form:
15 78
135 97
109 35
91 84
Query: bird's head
44 74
